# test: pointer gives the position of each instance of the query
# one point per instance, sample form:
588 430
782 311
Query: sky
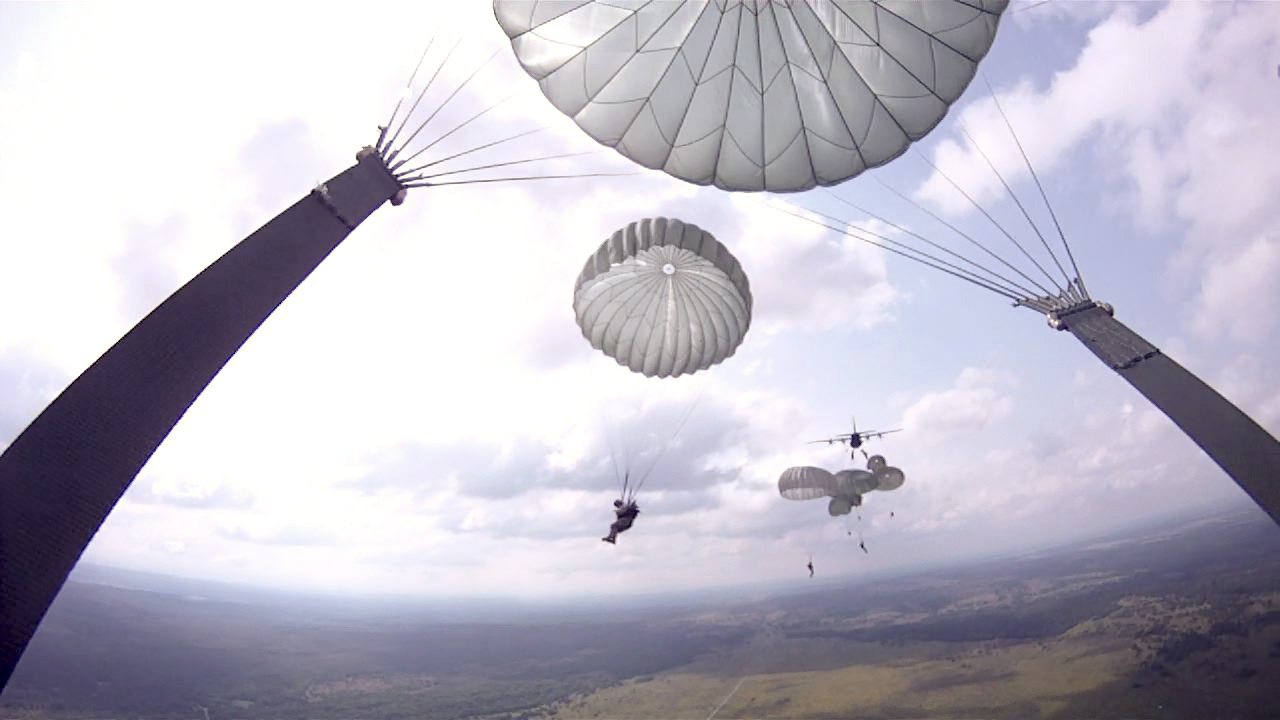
423 415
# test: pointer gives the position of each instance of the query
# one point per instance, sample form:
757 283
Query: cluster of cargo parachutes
845 488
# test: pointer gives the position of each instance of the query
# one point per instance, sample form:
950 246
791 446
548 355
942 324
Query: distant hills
1184 616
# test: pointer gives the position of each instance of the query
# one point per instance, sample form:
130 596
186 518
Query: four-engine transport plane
855 439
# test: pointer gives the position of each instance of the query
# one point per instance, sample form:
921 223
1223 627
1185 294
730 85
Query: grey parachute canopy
806 483
843 504
664 298
857 482
811 483
886 476
748 94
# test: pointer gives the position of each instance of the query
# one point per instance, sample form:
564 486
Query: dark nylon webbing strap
1242 447
64 473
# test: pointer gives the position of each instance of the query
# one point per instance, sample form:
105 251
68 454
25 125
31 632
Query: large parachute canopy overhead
751 94
664 298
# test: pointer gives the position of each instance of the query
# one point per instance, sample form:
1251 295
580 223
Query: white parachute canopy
749 94
664 298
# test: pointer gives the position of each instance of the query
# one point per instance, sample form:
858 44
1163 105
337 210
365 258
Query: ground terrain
1177 622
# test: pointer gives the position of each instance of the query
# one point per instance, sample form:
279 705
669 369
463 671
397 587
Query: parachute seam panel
877 102
533 10
979 8
656 316
601 301
613 292
640 319
724 120
648 101
679 53
727 338
944 43
655 343
795 93
764 164
581 50
839 53
835 45
723 281
706 353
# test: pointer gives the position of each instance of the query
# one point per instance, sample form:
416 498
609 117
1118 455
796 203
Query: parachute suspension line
441 106
513 179
478 148
959 274
1029 299
1070 289
622 477
613 452
455 129
680 426
388 153
1070 256
419 178
999 227
1009 284
382 131
1032 6
390 148
908 248
628 492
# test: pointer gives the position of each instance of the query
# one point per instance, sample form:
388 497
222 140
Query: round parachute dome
841 505
856 482
876 463
664 298
806 483
753 95
891 478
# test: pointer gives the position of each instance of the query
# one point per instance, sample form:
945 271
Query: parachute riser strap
1120 350
379 177
1115 345
60 478
321 192
1241 447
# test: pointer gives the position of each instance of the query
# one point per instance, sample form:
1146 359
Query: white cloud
422 415
1235 290
1131 76
805 278
1176 106
978 397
